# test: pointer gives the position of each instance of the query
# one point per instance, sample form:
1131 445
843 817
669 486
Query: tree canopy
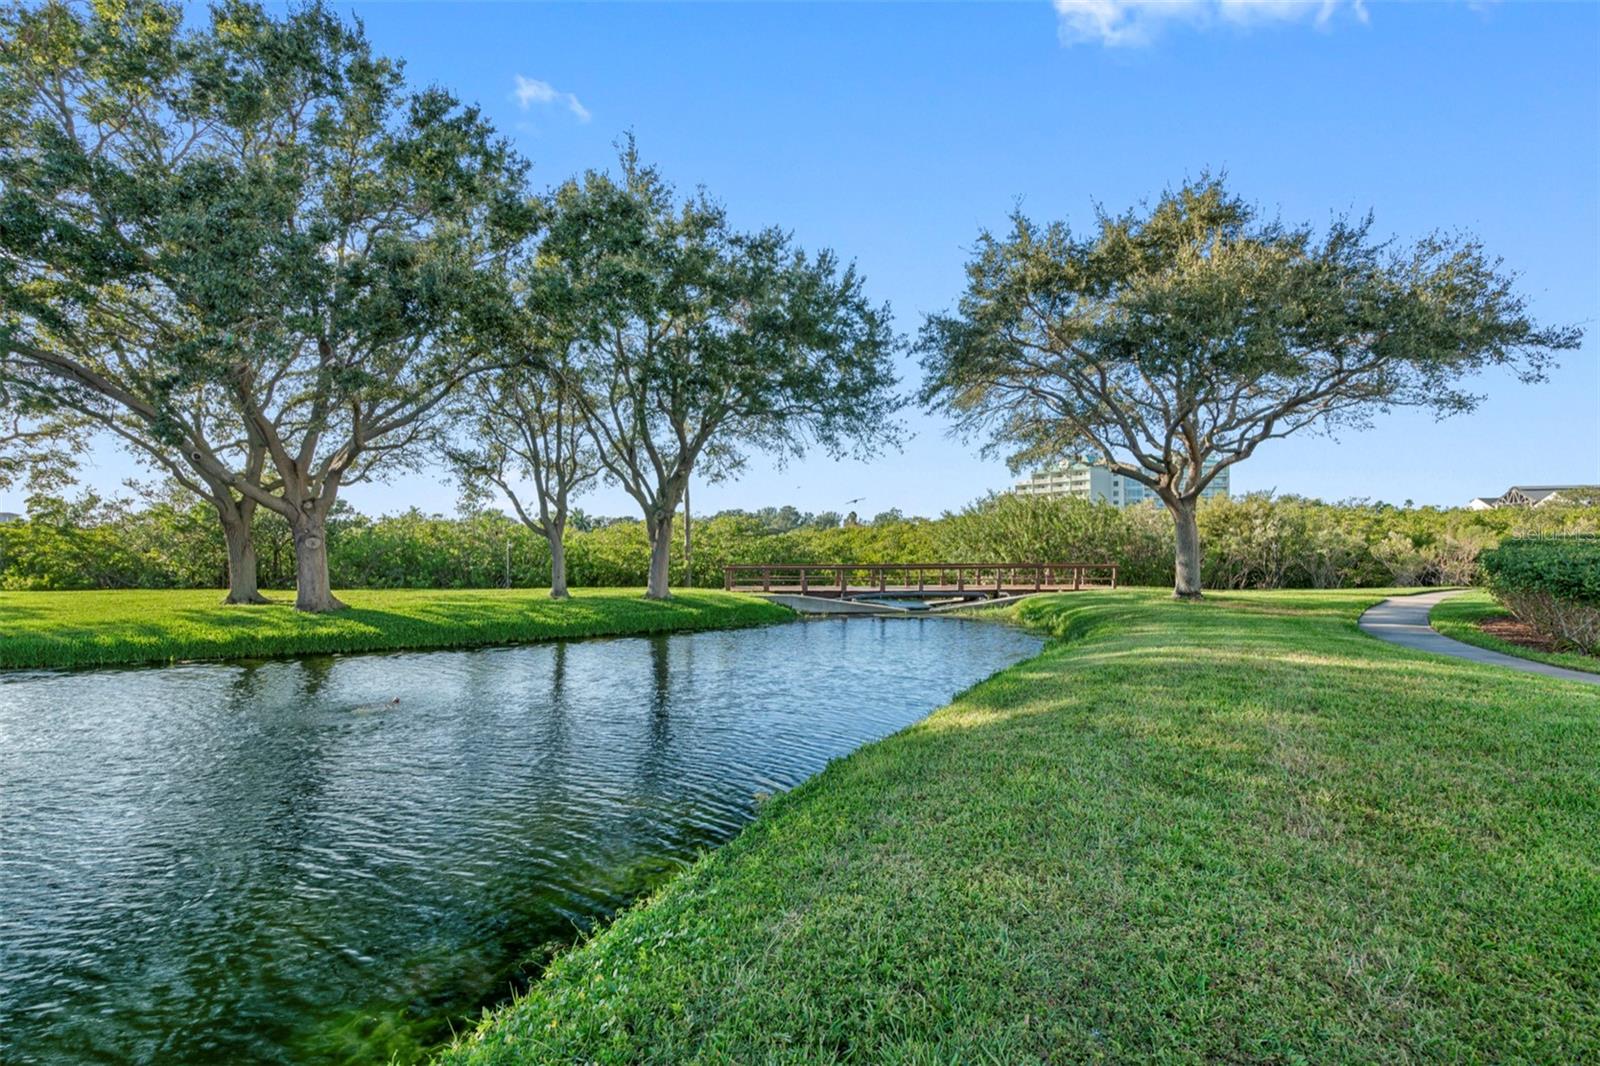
1172 342
247 245
696 342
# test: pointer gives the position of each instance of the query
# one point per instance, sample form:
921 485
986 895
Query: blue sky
894 132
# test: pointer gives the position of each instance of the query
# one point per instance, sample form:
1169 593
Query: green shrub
1551 583
1250 542
1567 567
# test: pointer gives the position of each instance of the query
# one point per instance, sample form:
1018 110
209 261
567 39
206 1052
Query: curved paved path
1403 620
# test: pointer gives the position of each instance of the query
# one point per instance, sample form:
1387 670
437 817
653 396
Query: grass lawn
1458 618
1232 831
46 629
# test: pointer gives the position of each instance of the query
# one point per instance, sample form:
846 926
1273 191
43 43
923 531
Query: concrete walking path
1403 620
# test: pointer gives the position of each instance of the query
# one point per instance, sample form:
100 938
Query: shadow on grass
98 634
11 612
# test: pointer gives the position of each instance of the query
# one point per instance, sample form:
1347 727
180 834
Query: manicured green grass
47 629
1239 830
1458 618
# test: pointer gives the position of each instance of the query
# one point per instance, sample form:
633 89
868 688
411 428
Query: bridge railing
843 579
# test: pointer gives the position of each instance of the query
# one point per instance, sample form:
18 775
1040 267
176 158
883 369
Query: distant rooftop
1529 496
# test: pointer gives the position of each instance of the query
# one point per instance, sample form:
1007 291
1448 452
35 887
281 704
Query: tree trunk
660 557
1186 576
242 586
558 565
312 590
688 546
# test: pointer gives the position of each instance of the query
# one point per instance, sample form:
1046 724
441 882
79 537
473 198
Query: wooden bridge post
1077 578
843 573
766 579
804 585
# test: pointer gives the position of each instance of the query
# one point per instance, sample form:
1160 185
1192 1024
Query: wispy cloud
1136 22
530 91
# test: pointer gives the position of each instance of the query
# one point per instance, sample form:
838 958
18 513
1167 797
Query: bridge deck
920 580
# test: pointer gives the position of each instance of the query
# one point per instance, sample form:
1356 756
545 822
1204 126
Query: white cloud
530 91
1136 22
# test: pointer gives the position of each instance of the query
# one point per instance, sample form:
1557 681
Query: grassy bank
1458 618
47 629
1231 831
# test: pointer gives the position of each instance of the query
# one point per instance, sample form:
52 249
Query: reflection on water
277 862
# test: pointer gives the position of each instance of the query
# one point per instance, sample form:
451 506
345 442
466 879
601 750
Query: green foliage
1007 527
244 245
1251 542
415 550
95 543
1231 831
37 448
1552 584
695 341
1196 329
1566 567
95 628
1171 342
689 343
1290 542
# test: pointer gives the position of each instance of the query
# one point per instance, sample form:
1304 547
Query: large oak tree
695 342
99 113
258 218
1172 343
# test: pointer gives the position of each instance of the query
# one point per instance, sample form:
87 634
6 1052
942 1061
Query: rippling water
275 862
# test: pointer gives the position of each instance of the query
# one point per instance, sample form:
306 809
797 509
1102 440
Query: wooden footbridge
928 582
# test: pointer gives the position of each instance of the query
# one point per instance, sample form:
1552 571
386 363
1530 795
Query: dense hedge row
1552 583
1564 566
1249 542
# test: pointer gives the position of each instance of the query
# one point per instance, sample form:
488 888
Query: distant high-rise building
1093 481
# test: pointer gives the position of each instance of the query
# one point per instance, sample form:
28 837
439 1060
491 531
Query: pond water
277 862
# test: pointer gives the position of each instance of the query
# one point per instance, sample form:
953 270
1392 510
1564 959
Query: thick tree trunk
242 578
660 557
312 590
1186 577
558 565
